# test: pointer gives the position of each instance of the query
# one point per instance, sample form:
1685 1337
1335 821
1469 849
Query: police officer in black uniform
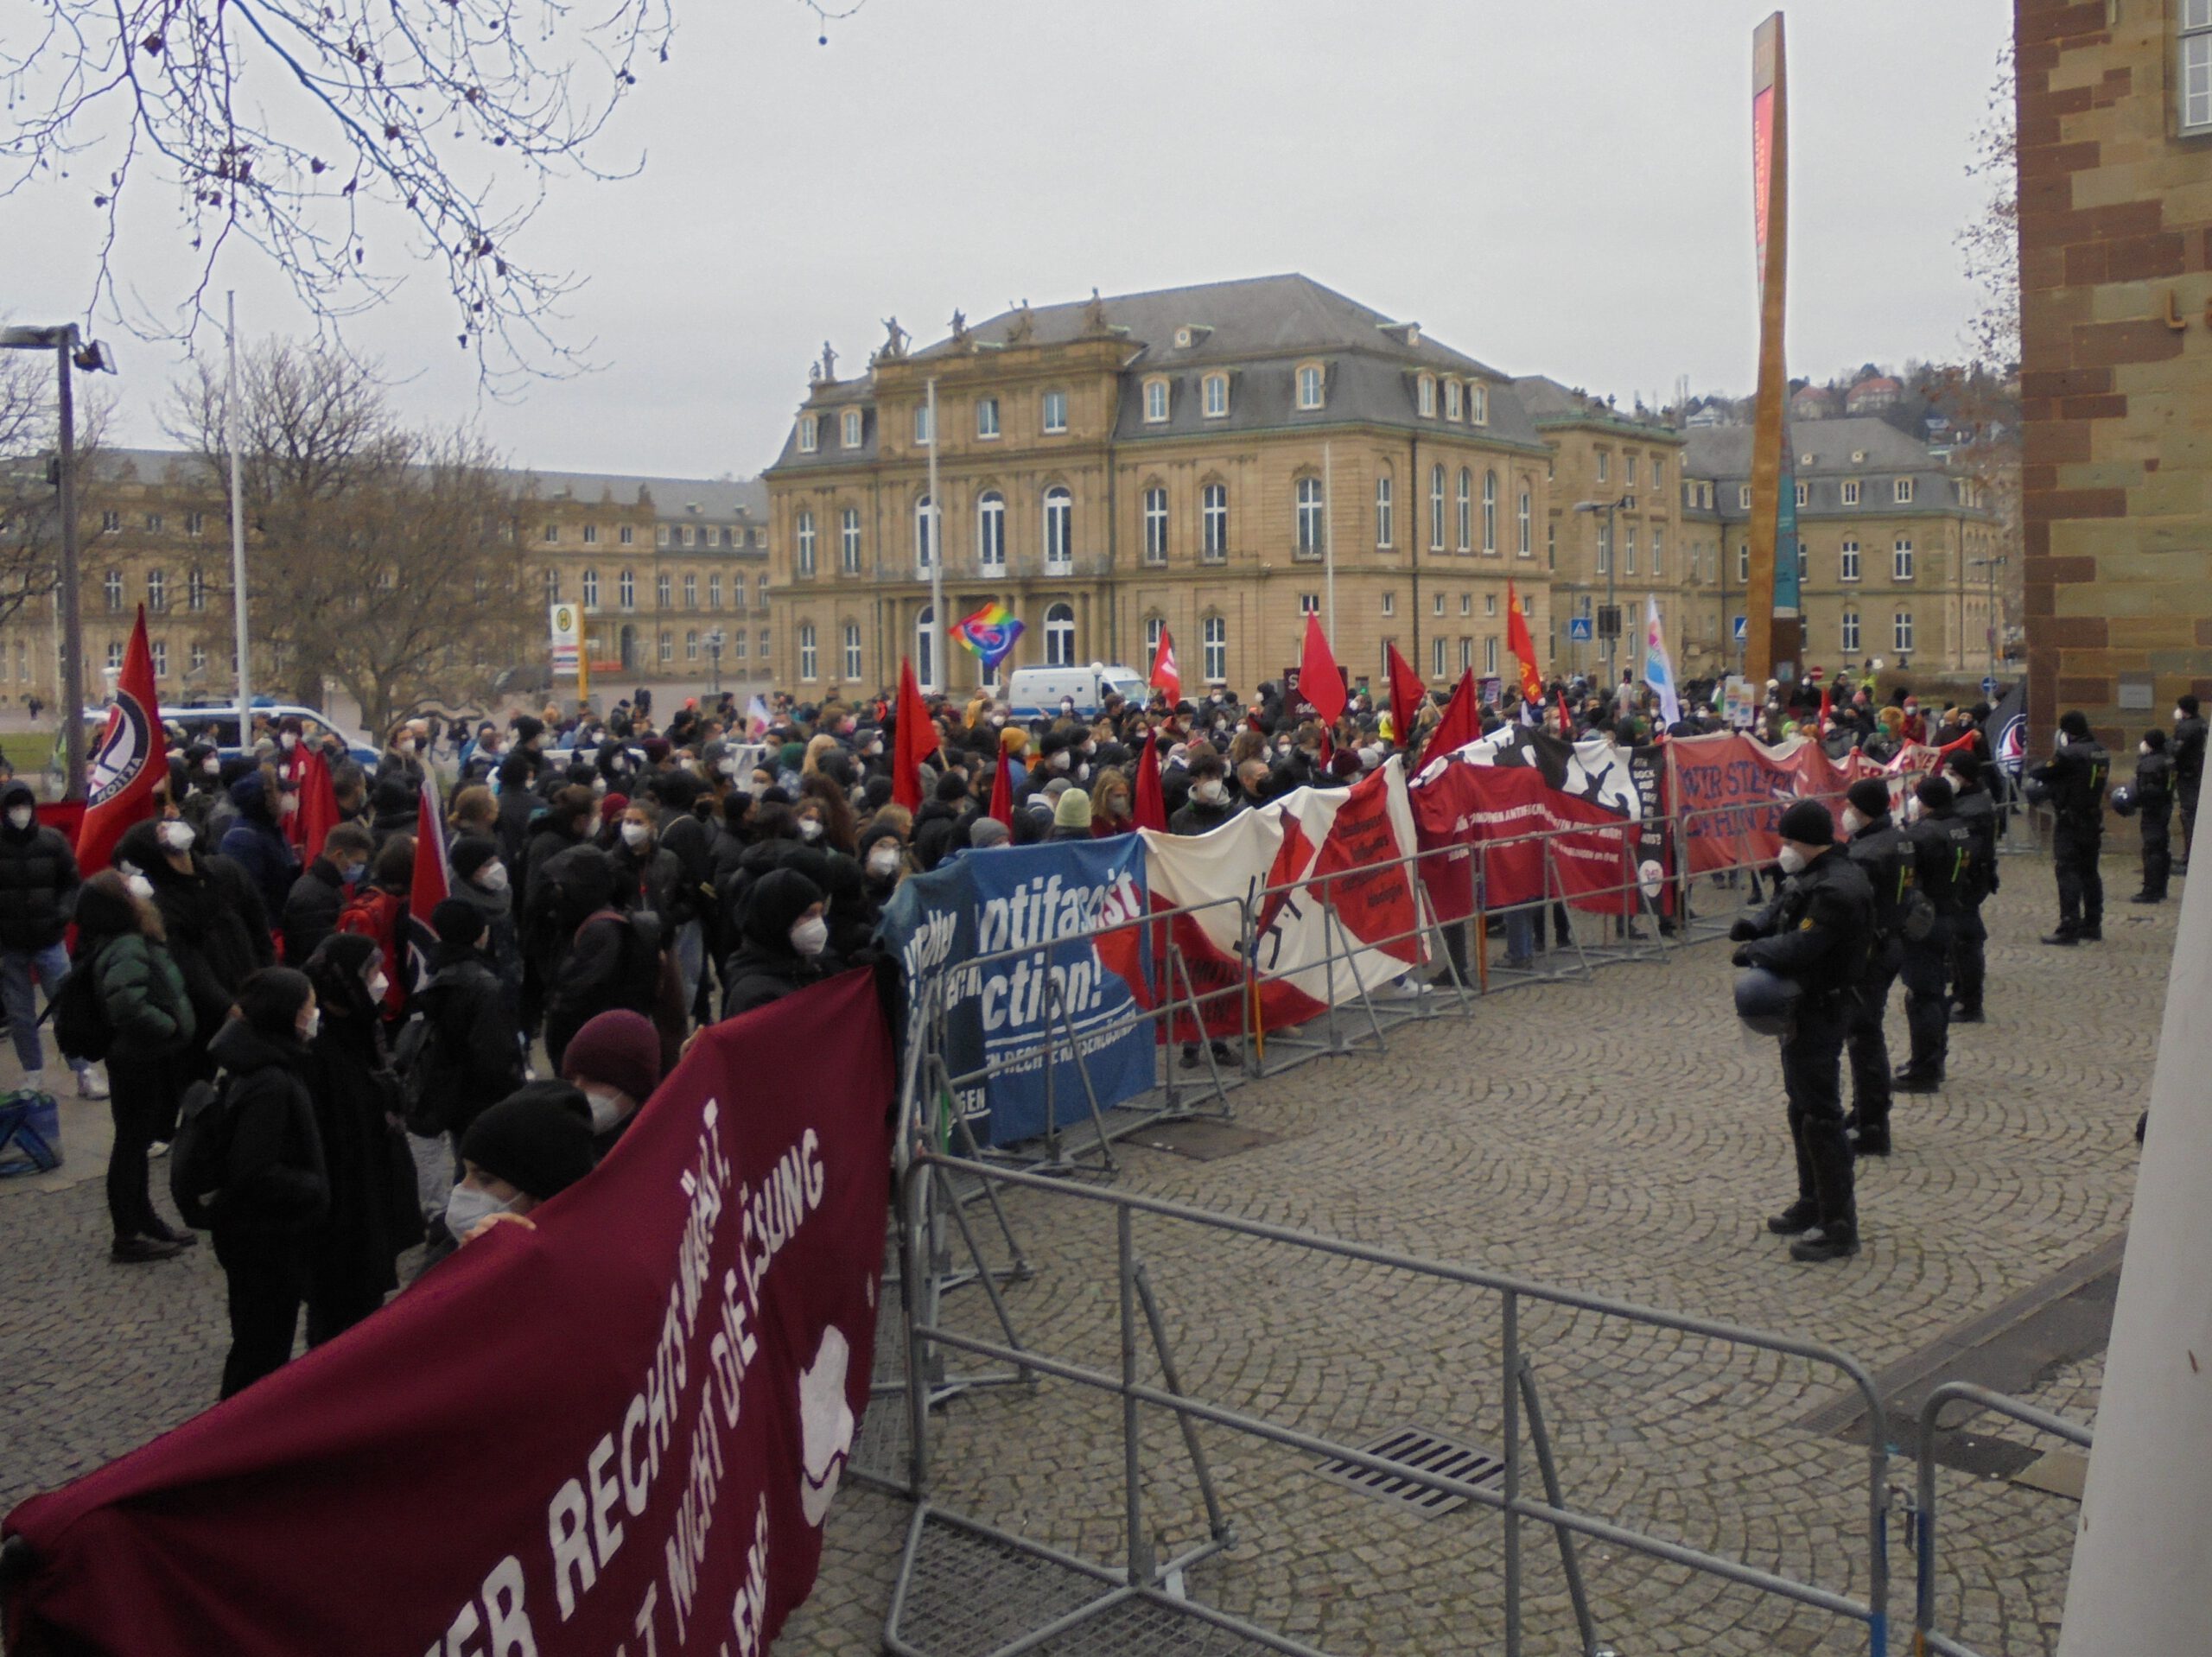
1970 968
2073 781
1817 932
2154 804
1946 853
2187 750
1880 849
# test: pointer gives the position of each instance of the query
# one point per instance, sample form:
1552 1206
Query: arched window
849 531
1436 508
1521 523
1466 504
1213 637
853 652
925 534
1214 519
1059 636
1309 518
1155 524
925 648
1382 525
804 537
1059 530
991 533
626 585
809 663
1490 512
591 589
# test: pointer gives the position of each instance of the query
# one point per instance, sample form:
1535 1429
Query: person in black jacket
255 840
38 897
374 1214
1211 802
2072 779
1882 852
1947 865
217 931
1816 933
786 930
2188 751
477 1038
2154 807
605 956
519 802
1969 941
311 908
275 1190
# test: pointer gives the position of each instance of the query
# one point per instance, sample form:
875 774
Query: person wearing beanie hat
2073 781
2154 805
518 1155
1817 934
1072 817
616 1061
458 923
1947 857
985 833
1880 847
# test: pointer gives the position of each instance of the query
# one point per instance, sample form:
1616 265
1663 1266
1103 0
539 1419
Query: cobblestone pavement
1616 1136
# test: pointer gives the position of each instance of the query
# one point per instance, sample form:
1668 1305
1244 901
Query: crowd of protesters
615 882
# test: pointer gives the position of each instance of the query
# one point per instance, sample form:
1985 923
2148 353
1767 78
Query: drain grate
1417 1450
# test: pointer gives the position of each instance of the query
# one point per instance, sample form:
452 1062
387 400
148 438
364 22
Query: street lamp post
1625 504
70 349
714 655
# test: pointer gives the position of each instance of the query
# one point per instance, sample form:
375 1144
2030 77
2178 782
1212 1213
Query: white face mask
492 877
290 740
635 834
212 766
1852 821
311 1023
1792 861
883 862
810 937
406 745
22 816
809 829
1211 792
598 785
726 765
607 1108
290 803
175 834
2142 748
467 1208
380 987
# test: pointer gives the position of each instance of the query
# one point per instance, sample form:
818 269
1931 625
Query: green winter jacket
141 995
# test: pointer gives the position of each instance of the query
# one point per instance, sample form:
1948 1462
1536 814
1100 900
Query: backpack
81 1026
418 1058
199 1152
637 985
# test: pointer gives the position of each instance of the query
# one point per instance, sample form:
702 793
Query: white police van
218 723
1037 693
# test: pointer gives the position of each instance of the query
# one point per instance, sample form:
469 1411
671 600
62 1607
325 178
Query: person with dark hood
851 914
785 931
479 879
521 1153
519 802
274 1190
218 931
615 1062
39 885
373 1216
607 956
939 823
472 1053
687 837
254 841
397 807
312 907
149 1021
571 819
883 856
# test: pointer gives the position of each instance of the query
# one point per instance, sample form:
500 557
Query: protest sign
617 1429
1732 792
1016 931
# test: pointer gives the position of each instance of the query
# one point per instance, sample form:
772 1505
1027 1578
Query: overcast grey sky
1561 187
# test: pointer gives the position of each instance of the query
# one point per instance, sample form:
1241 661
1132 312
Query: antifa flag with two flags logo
130 761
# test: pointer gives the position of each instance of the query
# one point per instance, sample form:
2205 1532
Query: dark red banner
616 1433
1521 834
1732 792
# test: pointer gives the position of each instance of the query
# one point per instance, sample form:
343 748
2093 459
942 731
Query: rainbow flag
991 633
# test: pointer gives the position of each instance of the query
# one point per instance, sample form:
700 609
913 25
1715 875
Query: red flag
1824 708
318 814
1319 681
1522 645
1406 696
1565 718
916 740
1463 717
1163 676
430 886
131 760
1002 790
1148 806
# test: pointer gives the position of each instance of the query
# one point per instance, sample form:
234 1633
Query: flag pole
242 635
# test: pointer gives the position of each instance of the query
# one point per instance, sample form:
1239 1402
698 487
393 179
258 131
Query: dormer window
1479 403
1427 397
1155 402
852 431
809 432
1451 399
1217 396
1182 339
1311 380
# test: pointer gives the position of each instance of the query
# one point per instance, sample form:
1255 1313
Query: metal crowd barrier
1925 1637
1095 1593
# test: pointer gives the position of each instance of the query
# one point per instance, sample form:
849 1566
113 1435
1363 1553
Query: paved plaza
1615 1135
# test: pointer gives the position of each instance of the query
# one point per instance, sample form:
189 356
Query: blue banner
1015 932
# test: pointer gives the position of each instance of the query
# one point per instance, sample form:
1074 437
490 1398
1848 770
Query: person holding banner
1817 934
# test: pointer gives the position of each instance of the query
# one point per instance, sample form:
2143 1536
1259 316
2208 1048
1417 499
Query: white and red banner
1315 854
617 1430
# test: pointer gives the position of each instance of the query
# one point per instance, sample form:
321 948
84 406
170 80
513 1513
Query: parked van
1037 693
217 724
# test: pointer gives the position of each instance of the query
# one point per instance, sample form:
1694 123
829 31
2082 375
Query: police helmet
2123 799
1765 1001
